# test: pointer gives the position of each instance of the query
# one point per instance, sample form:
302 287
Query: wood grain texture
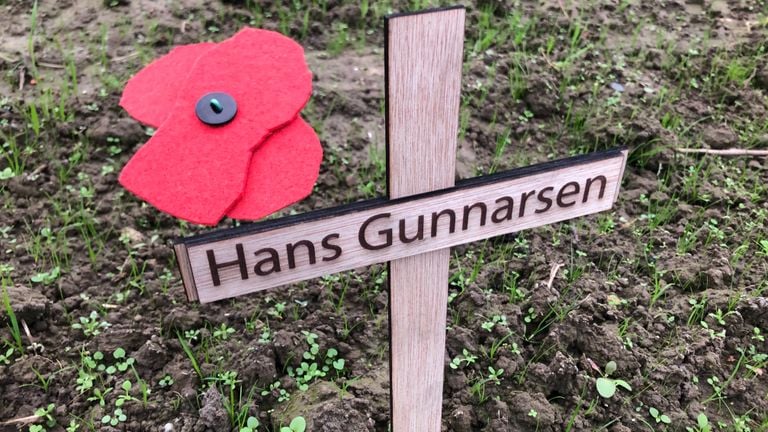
349 222
424 61
185 268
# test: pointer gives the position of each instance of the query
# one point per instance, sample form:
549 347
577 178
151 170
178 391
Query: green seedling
115 418
13 322
126 396
298 424
606 386
717 389
192 335
91 325
190 354
530 315
712 333
266 335
7 174
277 310
73 426
223 332
44 381
279 393
227 382
697 309
45 414
165 381
514 293
251 425
479 386
100 395
123 362
496 319
659 417
311 369
719 316
465 357
702 424
6 358
762 248
497 344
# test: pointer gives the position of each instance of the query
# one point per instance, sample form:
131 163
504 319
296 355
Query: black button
216 108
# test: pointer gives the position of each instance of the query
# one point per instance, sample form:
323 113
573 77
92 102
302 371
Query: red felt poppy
262 160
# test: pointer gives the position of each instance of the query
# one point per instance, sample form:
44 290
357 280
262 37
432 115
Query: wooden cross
424 215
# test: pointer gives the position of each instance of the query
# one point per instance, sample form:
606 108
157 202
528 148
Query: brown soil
597 309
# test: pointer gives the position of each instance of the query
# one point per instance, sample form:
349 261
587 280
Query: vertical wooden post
423 78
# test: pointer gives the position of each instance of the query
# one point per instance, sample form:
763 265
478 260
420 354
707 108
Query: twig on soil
552 273
51 65
22 420
122 273
26 331
125 57
725 152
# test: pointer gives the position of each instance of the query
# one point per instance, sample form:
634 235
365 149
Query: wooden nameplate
255 257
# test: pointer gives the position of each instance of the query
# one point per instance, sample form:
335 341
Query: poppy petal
197 172
150 95
283 171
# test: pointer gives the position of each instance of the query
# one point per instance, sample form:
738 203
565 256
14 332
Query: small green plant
13 323
717 389
762 248
7 174
91 325
479 386
192 335
311 368
712 333
100 396
659 417
499 343
166 381
697 309
6 358
115 418
279 393
719 316
266 335
298 424
606 386
702 424
496 319
277 310
465 357
223 332
73 426
123 362
530 315
126 396
251 425
188 351
46 415
47 278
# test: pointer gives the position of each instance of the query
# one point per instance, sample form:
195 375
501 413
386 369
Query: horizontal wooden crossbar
254 257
